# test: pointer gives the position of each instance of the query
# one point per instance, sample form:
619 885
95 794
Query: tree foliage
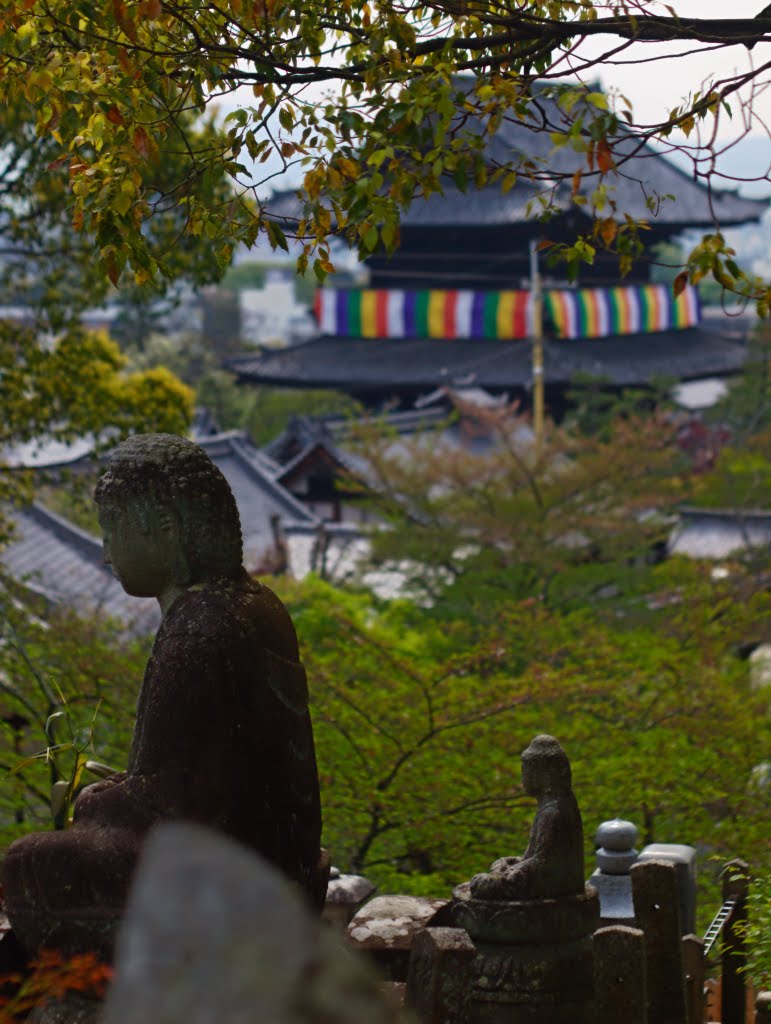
111 83
73 387
47 261
52 661
516 521
420 721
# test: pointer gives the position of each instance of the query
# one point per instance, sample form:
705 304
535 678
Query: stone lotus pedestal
534 957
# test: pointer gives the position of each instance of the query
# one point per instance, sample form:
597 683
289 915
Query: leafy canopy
47 261
74 387
112 82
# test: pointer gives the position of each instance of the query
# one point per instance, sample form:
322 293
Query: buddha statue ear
172 527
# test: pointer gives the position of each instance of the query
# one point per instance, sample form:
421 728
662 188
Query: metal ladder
716 927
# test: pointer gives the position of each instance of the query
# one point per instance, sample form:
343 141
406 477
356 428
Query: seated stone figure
222 736
553 864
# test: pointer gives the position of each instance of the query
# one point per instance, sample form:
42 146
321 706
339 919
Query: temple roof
643 173
371 365
57 559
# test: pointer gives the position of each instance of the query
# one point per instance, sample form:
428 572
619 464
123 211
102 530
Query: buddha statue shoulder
223 734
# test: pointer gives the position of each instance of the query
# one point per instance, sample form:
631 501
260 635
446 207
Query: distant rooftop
373 367
643 174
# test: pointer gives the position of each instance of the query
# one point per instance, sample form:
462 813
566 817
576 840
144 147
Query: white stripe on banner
328 317
635 312
463 309
395 314
603 313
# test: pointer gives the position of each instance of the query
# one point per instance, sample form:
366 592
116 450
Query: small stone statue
553 864
222 737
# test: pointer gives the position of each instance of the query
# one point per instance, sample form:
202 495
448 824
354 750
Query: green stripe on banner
648 309
421 314
490 315
354 314
580 314
616 320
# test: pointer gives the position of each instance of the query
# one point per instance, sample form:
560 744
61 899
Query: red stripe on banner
450 319
520 325
317 305
381 313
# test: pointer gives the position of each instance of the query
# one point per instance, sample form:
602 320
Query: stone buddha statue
222 737
553 863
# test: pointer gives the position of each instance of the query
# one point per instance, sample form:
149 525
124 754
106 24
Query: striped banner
600 312
390 313
505 315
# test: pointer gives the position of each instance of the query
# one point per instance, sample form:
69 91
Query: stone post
763 1008
345 895
656 906
693 966
735 886
440 976
615 855
684 860
619 975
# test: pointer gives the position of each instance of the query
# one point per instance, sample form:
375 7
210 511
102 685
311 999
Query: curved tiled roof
643 172
55 558
361 365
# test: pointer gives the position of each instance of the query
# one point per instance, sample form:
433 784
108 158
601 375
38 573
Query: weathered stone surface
526 922
532 918
693 967
222 737
385 929
553 863
619 975
615 841
763 1008
345 894
213 934
440 976
615 856
733 997
656 905
684 860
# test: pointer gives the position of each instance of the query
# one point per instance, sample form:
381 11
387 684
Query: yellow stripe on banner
369 313
559 312
436 314
505 315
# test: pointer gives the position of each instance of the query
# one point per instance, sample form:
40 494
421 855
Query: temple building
452 306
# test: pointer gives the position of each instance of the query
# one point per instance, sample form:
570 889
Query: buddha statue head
545 767
168 517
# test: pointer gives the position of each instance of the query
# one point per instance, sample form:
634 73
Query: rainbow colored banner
600 312
391 313
505 315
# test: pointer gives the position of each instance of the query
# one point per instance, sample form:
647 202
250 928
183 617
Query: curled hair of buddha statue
173 478
550 760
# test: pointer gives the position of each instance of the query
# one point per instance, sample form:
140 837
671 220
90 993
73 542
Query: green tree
74 387
110 84
47 261
53 661
420 721
558 525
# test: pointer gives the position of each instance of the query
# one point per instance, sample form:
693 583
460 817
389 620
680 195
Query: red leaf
140 141
679 283
111 268
114 115
604 156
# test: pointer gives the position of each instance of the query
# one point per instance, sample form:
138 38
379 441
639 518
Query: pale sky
655 88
